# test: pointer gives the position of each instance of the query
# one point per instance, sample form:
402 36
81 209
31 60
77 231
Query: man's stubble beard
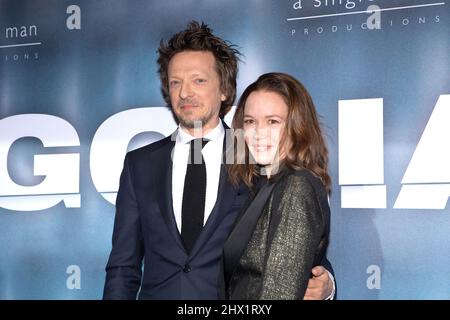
190 123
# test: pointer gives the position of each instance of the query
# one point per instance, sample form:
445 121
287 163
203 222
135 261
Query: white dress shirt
212 155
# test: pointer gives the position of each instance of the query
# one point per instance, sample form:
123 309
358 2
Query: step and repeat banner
79 87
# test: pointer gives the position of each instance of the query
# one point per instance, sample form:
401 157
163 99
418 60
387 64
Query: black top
278 239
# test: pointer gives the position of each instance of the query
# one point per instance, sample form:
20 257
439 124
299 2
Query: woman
284 231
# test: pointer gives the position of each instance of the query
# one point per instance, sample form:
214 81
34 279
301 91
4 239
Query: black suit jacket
145 232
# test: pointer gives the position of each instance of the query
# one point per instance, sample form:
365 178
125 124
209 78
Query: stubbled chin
190 115
186 112
190 121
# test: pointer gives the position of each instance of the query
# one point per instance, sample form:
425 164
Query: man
171 213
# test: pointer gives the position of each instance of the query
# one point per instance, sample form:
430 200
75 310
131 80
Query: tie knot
195 152
198 143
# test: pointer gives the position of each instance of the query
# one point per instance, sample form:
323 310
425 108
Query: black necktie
194 193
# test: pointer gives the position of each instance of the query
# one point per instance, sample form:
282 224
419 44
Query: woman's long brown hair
303 144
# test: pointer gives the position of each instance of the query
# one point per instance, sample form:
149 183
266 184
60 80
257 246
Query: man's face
194 89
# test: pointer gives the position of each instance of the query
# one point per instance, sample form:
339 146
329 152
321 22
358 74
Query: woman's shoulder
304 179
303 176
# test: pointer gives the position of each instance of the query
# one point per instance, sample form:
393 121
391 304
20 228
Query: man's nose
186 90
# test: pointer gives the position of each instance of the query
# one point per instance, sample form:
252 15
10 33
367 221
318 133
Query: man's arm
322 284
123 271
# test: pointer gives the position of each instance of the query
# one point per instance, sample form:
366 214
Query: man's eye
199 81
173 83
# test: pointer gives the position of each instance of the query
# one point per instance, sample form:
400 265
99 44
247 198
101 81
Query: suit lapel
164 192
225 198
226 195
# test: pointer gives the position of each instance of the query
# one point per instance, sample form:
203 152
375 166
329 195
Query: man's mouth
188 106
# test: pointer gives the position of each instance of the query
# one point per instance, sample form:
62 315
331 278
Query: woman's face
265 116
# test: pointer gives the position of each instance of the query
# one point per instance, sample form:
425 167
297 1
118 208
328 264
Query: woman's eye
273 121
248 121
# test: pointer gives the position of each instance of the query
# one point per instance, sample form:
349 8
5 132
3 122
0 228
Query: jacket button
187 268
